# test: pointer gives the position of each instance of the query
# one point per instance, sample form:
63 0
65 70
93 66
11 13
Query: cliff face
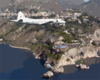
75 54
92 7
90 52
96 35
23 35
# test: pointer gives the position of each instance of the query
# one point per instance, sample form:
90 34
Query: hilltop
92 7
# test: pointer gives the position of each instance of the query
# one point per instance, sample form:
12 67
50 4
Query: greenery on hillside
67 37
34 10
56 31
36 17
94 44
80 61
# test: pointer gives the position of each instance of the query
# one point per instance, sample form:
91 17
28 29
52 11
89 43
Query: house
85 20
77 14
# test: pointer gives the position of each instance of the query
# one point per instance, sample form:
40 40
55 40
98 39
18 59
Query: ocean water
19 65
16 64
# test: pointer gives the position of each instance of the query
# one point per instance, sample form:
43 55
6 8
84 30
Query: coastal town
59 46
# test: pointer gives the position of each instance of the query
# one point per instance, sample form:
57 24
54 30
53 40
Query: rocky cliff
77 56
96 35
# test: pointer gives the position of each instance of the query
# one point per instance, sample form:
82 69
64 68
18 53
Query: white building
85 20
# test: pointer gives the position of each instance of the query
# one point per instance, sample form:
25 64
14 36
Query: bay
16 64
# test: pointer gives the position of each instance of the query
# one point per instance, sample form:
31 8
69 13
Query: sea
16 64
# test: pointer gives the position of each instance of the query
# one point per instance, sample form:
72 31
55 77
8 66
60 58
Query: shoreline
89 61
64 67
20 47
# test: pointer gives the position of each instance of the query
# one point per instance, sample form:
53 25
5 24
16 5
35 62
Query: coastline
89 61
64 67
20 47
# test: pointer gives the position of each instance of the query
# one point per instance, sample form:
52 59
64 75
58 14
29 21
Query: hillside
52 5
55 5
54 44
92 7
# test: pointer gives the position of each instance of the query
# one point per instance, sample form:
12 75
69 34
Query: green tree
94 44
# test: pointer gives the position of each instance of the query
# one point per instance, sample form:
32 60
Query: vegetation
21 9
80 61
26 26
81 53
67 38
10 31
83 61
36 28
94 44
52 16
47 50
36 17
33 10
68 59
91 18
85 14
18 24
55 57
2 37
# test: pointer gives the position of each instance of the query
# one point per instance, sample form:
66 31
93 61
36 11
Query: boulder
82 66
49 74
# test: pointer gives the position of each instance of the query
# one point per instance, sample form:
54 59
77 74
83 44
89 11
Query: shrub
83 61
58 57
78 62
94 44
68 59
66 36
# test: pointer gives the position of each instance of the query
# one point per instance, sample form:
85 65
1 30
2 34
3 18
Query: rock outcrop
90 51
96 35
58 70
49 74
82 66
48 66
74 55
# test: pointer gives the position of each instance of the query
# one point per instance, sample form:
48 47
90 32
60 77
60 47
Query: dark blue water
20 65
92 74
